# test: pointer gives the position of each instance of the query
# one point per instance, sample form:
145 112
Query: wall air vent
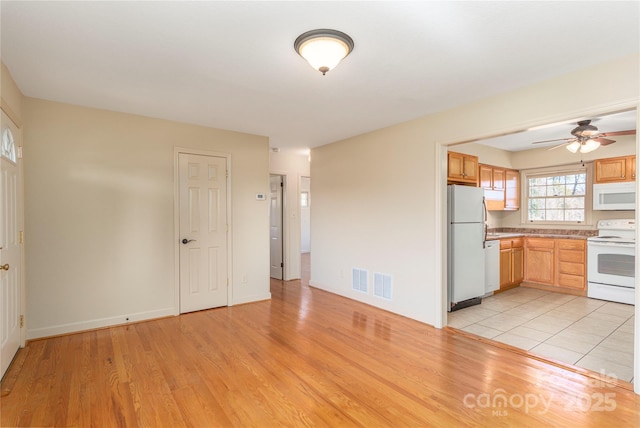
360 280
382 285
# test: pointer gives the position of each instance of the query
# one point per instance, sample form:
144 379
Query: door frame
4 106
176 222
286 272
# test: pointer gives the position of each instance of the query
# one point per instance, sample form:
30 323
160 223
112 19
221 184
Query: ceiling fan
586 138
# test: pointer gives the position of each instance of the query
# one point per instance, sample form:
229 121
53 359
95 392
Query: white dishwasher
491 266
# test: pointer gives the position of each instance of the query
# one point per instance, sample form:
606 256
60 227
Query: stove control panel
617 224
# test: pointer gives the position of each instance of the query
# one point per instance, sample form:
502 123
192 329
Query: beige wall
293 165
380 199
11 95
100 215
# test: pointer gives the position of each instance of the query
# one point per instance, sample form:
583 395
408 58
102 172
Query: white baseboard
75 327
252 298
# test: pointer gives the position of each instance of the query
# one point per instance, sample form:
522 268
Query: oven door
611 263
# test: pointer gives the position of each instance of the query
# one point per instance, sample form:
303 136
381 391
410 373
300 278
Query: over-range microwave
614 196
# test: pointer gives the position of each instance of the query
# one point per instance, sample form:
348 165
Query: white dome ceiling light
323 49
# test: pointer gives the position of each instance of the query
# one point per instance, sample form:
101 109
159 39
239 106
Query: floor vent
360 280
382 285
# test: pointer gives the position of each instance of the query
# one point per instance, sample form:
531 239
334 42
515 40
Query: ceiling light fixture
323 49
585 146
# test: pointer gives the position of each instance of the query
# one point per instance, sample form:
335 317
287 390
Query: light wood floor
305 358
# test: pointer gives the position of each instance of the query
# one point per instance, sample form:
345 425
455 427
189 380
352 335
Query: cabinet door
611 170
498 178
455 165
470 167
512 190
631 168
517 263
505 267
486 175
540 260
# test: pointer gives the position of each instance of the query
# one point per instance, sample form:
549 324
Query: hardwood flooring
304 358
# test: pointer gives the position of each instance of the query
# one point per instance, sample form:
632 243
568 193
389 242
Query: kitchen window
556 196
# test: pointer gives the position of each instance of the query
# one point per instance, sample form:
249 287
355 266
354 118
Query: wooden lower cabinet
540 260
556 264
572 264
511 263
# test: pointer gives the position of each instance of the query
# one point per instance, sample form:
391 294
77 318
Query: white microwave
614 196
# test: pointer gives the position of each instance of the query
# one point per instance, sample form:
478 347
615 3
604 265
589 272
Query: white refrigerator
466 216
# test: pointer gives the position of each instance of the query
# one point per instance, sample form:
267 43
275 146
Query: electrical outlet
245 278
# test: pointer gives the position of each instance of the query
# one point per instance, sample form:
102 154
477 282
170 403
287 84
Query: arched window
8 149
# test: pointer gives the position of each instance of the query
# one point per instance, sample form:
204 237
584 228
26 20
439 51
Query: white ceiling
624 121
231 65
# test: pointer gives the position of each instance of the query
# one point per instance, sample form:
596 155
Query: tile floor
588 333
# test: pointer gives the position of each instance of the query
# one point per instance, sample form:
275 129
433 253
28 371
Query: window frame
553 171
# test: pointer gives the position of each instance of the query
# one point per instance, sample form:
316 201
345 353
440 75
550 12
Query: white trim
253 298
636 330
440 225
74 327
176 222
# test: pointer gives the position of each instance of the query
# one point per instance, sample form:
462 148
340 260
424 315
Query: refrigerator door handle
486 226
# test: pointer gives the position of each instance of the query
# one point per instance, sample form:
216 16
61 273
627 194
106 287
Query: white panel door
275 227
10 254
203 232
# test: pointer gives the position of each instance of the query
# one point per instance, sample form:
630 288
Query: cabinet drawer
517 242
571 281
571 256
571 244
571 268
505 244
540 243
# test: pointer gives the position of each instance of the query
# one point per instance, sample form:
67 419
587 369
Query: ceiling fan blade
559 145
616 133
604 141
549 141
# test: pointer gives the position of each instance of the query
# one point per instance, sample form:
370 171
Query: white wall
379 199
100 215
293 165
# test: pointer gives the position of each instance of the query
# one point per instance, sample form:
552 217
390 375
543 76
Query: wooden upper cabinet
611 170
498 178
501 187
485 173
512 190
462 169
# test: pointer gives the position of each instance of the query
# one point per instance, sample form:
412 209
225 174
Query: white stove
611 261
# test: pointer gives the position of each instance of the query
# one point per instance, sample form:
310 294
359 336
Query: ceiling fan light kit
323 49
584 146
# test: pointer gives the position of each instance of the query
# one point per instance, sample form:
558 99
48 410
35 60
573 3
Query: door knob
4 267
186 241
